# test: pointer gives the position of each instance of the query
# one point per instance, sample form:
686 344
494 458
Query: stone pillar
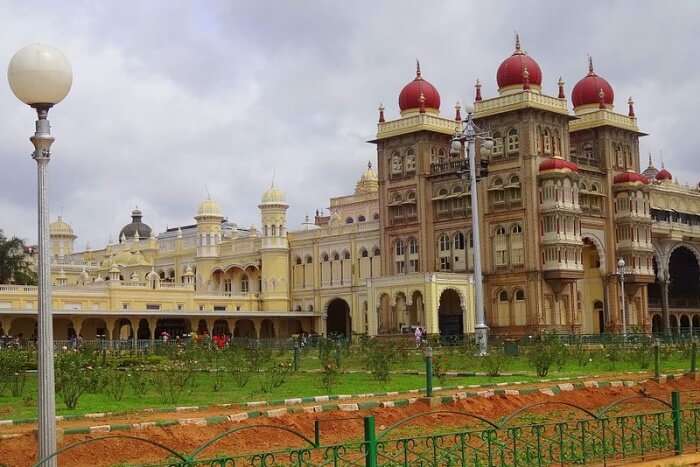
210 326
5 323
77 325
152 323
664 308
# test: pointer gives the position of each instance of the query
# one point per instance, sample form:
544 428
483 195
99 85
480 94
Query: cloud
172 99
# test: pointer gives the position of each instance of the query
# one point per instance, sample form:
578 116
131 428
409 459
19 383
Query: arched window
556 143
375 216
514 186
399 248
443 204
501 246
346 254
377 252
298 260
410 160
244 284
444 242
513 140
413 246
396 164
361 219
274 230
459 241
519 295
309 259
349 220
503 296
499 195
588 152
497 149
325 257
364 253
336 256
516 244
547 141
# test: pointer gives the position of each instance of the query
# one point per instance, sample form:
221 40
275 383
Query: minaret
208 219
274 250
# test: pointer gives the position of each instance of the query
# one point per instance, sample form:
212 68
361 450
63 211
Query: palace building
563 201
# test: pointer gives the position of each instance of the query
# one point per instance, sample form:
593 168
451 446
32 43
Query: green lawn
306 384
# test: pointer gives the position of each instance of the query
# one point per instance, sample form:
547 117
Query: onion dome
592 90
419 95
515 70
651 171
207 208
369 182
273 196
557 163
630 177
664 175
135 226
60 228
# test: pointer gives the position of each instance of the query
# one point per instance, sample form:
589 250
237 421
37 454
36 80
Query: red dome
410 97
557 164
510 72
630 177
664 175
587 90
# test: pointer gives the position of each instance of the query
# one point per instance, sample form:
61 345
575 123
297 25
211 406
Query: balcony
448 167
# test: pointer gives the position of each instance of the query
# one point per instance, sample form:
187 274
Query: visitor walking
419 337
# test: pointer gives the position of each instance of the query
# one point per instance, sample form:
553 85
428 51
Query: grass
305 384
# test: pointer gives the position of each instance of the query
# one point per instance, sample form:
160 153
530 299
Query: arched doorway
695 323
674 324
245 328
685 276
685 325
123 330
220 328
338 322
591 288
450 314
598 317
656 324
385 315
144 331
267 329
415 310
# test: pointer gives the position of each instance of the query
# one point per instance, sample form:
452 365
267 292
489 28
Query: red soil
20 452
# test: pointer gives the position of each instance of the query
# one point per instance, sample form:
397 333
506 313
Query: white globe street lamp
41 76
621 271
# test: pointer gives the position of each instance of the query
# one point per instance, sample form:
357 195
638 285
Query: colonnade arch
338 318
450 313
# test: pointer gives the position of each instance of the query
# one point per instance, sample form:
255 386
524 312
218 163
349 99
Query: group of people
419 335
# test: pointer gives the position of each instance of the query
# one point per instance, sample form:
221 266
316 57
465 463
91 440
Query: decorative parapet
521 100
604 117
416 122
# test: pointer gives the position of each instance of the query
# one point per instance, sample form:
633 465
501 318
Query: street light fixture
41 76
621 272
466 138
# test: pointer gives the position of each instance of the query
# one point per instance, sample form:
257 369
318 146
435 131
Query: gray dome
129 230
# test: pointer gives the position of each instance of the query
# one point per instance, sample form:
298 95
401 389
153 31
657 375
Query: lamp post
621 272
466 137
41 76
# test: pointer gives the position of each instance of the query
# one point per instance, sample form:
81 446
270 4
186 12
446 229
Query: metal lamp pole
469 136
41 76
621 271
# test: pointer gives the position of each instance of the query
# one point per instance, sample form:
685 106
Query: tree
14 264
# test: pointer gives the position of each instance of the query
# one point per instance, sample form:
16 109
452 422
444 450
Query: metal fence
596 438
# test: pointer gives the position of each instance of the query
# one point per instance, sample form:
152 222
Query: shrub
236 363
379 358
115 382
612 353
329 375
173 379
493 362
75 374
545 352
138 381
275 376
12 371
440 364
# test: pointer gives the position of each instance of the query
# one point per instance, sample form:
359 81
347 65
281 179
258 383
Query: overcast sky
173 98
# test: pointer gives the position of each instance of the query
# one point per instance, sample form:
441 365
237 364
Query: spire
477 86
517 44
650 163
601 99
418 75
369 165
381 113
560 83
526 78
630 102
590 65
458 112
421 100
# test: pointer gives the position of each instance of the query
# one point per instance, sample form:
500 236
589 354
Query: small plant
237 365
493 362
329 375
74 372
275 376
613 354
545 352
115 383
12 371
138 381
173 379
440 364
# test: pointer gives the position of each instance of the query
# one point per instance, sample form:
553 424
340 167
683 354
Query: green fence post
677 427
657 361
429 372
370 442
693 356
317 433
